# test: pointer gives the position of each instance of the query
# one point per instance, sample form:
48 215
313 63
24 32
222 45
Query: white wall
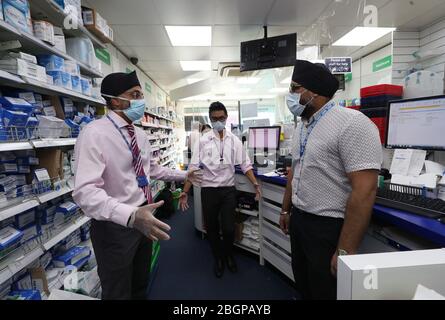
119 63
363 75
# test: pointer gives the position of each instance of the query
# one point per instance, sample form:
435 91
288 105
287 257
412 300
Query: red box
381 125
354 107
382 90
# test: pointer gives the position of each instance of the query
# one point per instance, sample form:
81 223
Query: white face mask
294 105
219 125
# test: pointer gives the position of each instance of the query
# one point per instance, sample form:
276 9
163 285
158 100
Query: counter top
426 228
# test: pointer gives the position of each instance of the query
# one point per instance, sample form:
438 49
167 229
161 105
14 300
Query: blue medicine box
72 256
86 86
67 208
14 118
16 104
28 161
75 128
9 237
51 62
61 79
31 233
47 215
76 85
15 17
22 5
30 295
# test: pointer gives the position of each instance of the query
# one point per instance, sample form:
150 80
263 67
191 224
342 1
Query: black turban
117 83
316 78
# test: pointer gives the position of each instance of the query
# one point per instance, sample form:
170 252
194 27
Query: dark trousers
123 261
314 240
218 205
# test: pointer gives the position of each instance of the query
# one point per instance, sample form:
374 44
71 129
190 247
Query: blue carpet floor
185 271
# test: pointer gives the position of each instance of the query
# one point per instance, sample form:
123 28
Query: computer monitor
264 138
416 124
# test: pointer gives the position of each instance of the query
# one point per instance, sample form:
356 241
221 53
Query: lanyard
303 143
123 137
221 149
142 180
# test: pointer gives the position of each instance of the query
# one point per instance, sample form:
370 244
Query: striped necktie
137 162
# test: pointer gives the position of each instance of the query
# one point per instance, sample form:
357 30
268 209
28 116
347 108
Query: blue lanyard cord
123 137
303 143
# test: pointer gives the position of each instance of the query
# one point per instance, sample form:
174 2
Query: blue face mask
219 125
294 105
136 110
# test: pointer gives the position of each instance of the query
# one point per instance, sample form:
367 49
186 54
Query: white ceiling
139 26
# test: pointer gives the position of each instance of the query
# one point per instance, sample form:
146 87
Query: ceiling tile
234 35
185 12
296 12
161 65
126 12
152 53
241 11
226 54
143 35
192 53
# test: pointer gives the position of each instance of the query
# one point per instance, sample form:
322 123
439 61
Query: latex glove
148 225
284 223
194 176
183 201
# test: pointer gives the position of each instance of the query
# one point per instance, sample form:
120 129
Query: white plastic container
81 49
50 127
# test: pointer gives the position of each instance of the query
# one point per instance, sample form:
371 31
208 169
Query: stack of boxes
29 225
24 65
374 102
97 25
13 171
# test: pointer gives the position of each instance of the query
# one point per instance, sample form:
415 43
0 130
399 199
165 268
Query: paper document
434 167
424 180
271 174
408 162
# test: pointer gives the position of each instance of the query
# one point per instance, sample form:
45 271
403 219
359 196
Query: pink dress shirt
105 182
208 154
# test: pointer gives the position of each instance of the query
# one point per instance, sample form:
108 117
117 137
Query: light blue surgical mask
294 104
135 111
219 125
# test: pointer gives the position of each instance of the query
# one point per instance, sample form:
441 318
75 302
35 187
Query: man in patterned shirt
332 187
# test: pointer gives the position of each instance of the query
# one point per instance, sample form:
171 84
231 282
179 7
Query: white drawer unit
271 212
278 259
277 236
243 184
273 192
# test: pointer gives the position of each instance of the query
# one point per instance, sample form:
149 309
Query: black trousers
314 240
218 205
123 261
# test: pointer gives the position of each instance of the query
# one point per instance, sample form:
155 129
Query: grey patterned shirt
343 141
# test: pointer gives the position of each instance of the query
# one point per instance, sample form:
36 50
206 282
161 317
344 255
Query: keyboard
413 203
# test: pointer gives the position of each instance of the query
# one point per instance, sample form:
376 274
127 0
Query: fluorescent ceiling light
362 36
190 36
279 90
251 80
197 65
193 80
287 80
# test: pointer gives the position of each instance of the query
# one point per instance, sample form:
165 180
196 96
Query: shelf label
381 64
104 56
348 77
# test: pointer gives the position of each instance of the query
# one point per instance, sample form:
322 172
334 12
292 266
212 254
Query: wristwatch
342 252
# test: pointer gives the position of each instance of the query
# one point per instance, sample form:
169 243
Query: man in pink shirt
112 185
217 153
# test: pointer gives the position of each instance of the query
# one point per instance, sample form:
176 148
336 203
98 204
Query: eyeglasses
215 119
137 95
294 87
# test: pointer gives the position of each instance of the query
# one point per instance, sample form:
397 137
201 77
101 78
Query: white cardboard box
390 275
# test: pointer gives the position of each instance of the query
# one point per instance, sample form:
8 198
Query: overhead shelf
6 213
51 143
15 146
33 45
8 79
51 12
